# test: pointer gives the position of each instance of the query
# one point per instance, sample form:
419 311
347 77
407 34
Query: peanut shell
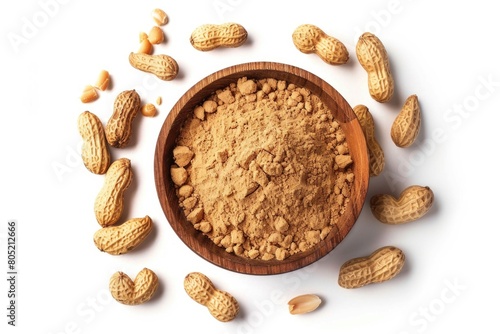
376 154
406 126
413 203
119 127
221 305
163 66
135 292
373 57
108 205
95 152
211 36
121 239
308 38
380 266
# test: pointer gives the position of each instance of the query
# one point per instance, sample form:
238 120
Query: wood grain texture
169 132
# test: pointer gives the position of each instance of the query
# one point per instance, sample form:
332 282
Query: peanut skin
135 292
121 239
119 127
159 16
108 205
376 154
382 265
406 126
211 36
95 152
309 38
413 203
372 56
221 305
89 94
304 304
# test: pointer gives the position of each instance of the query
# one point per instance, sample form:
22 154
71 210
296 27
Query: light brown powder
268 171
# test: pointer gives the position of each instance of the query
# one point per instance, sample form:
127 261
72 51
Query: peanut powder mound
263 169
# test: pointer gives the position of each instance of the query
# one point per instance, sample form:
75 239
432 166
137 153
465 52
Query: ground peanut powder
263 169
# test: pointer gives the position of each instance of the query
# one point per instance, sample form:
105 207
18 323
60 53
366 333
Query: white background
447 54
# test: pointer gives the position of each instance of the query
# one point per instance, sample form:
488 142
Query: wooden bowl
170 130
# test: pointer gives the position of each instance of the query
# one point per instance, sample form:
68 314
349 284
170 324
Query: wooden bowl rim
201 244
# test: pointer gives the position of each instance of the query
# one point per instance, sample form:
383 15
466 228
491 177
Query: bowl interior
170 130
